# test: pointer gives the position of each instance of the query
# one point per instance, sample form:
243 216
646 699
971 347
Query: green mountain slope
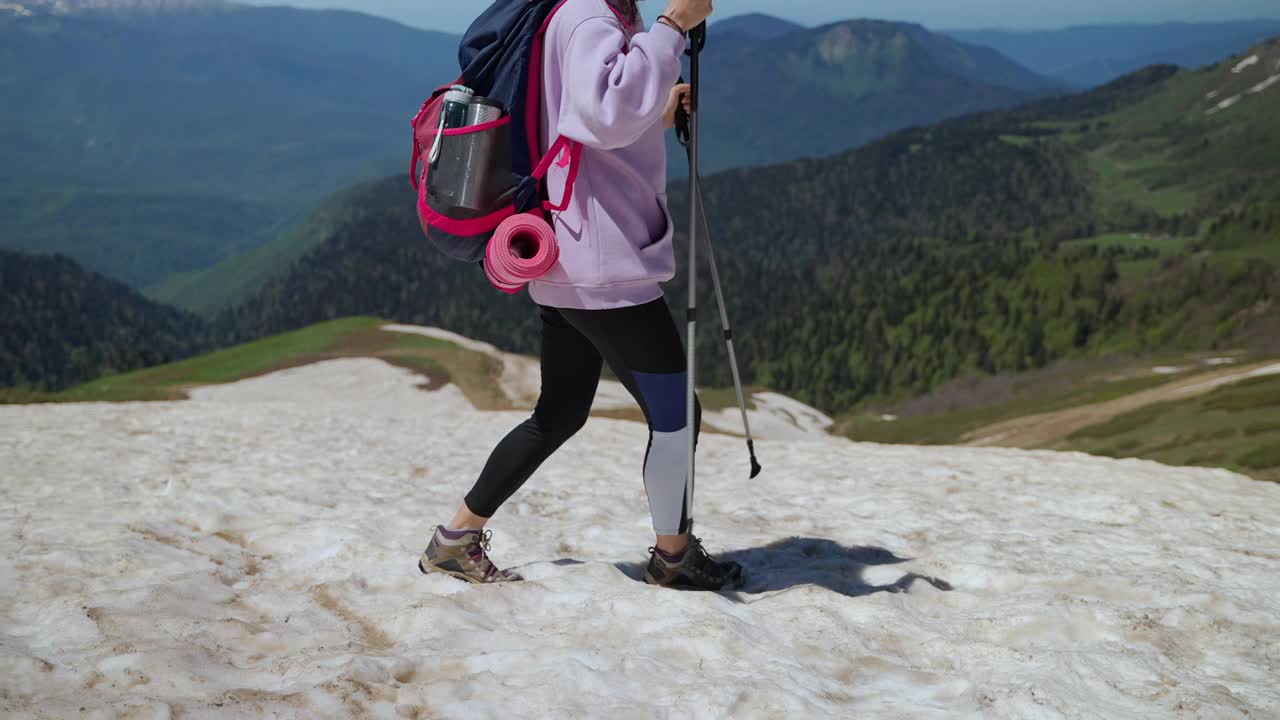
1236 426
378 259
61 325
1132 219
213 288
135 236
438 362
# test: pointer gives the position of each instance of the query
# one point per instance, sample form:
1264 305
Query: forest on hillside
995 243
61 325
983 245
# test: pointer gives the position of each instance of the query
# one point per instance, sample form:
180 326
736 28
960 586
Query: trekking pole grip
698 37
697 41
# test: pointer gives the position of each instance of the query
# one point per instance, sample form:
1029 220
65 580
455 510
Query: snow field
252 552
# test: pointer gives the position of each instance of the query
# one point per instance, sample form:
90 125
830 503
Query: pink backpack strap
417 151
575 160
413 164
414 175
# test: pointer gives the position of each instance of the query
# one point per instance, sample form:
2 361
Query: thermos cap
483 110
464 89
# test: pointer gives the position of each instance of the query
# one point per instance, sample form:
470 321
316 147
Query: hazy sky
455 15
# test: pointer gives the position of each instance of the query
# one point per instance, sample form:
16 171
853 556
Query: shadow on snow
797 561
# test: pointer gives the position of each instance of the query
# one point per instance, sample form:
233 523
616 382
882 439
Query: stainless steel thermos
474 192
463 164
483 110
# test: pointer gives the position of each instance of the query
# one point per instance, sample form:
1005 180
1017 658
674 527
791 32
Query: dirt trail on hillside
773 416
1033 431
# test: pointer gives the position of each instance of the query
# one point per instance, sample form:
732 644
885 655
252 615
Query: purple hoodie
606 88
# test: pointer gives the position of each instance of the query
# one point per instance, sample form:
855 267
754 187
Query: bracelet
671 23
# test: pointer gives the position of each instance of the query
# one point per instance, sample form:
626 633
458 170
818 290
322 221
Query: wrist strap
671 23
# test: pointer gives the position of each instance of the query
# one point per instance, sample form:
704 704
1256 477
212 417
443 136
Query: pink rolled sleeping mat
523 248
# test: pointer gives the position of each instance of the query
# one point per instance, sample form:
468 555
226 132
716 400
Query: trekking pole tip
755 467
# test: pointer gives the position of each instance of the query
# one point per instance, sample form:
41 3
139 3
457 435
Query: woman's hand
688 13
679 96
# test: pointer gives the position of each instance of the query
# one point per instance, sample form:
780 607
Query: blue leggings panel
644 350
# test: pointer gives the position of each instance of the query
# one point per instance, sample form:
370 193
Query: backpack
501 60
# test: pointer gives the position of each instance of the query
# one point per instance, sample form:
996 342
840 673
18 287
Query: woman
613 89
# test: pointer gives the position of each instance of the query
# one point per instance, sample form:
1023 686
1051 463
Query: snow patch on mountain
250 553
1265 84
1224 104
1243 64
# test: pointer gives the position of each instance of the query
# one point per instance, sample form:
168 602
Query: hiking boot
693 569
463 555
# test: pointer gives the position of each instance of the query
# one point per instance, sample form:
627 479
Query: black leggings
643 348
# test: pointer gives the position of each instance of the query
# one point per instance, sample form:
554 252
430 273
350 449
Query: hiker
612 86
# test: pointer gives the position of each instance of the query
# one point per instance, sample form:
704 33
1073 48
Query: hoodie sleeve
611 97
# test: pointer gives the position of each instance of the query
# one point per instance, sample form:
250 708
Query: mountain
1135 218
868 78
61 325
216 126
1097 72
752 26
1088 56
68 7
841 85
161 142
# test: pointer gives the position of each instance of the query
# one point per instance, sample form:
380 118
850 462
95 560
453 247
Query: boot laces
695 546
479 553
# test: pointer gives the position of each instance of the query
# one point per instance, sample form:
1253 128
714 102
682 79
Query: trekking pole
724 324
697 40
685 133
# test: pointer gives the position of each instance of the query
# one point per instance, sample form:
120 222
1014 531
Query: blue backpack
501 58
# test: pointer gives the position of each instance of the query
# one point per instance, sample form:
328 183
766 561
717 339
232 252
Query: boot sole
735 582
460 576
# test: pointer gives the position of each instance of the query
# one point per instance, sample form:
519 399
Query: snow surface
1168 370
776 417
1245 63
251 553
